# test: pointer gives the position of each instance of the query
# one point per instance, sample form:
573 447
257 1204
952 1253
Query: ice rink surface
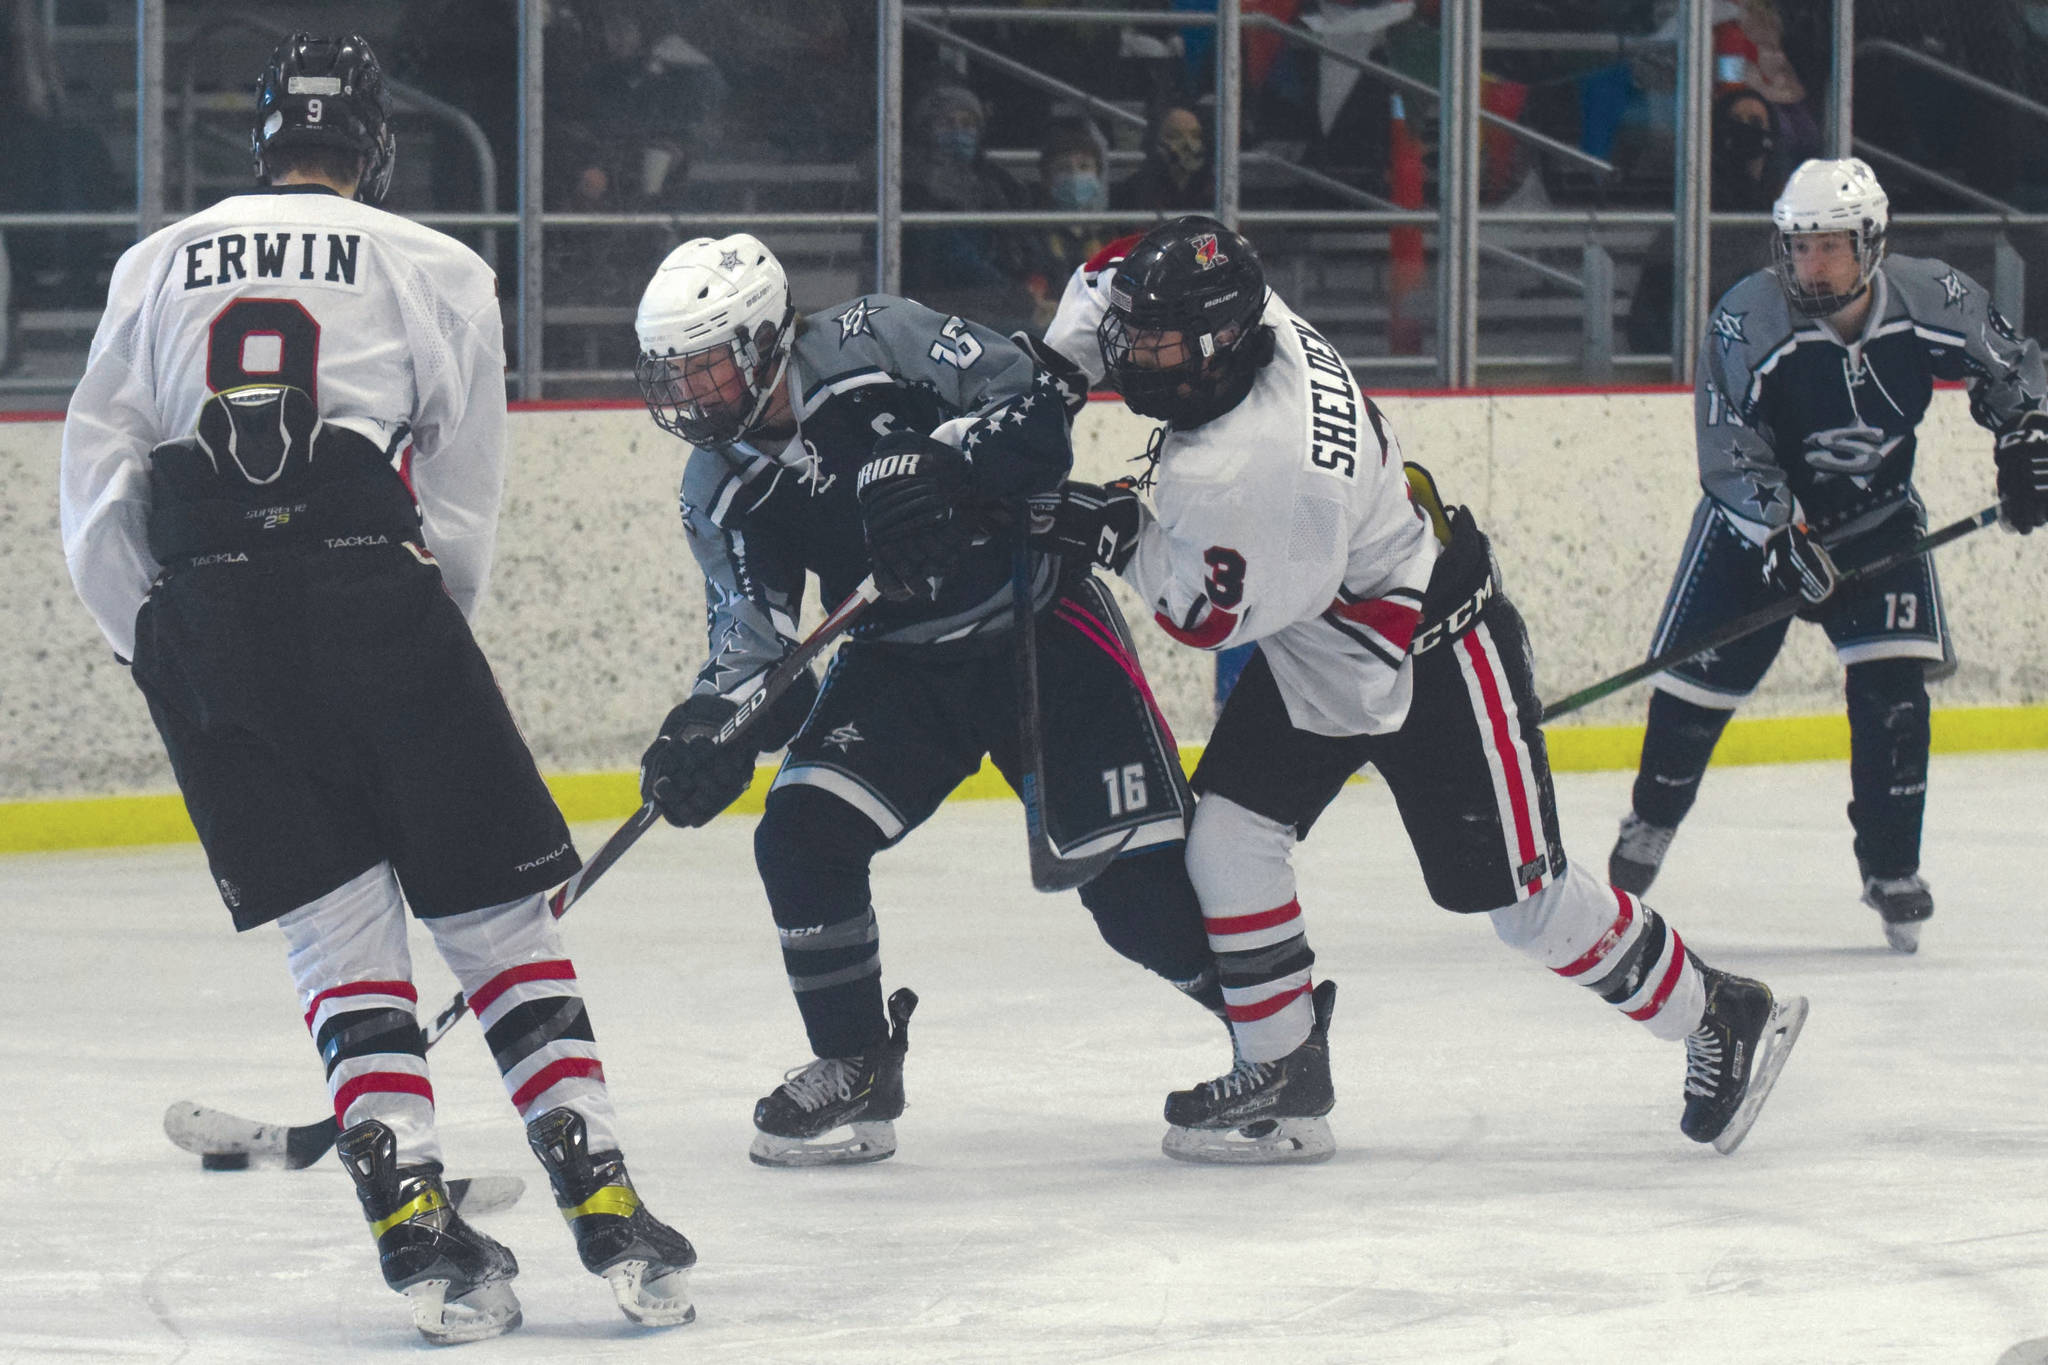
1510 1187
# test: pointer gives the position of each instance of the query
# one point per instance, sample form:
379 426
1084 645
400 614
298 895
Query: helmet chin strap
767 391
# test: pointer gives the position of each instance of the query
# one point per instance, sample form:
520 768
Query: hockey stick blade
1763 616
217 1137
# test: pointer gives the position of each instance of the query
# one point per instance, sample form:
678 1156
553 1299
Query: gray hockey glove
1795 562
1087 521
909 493
2022 456
689 780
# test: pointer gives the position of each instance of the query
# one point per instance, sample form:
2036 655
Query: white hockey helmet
1830 196
710 298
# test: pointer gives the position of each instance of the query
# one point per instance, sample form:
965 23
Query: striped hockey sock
1614 945
368 1035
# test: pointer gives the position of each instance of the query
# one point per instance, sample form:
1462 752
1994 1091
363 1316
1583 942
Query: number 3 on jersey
1226 576
263 341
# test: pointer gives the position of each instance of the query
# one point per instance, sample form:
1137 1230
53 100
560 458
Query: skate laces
1703 1055
817 1084
1241 1079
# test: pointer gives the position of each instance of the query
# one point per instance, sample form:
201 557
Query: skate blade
489 1310
1788 1017
874 1140
1269 1142
662 1300
1904 937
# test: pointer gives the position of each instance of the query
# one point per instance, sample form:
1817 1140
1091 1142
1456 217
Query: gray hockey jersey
1794 422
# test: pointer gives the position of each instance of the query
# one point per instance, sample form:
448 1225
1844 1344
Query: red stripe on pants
1264 1009
561 1069
402 989
379 1082
1503 743
1244 924
558 970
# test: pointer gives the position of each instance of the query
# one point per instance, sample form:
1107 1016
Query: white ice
1511 1185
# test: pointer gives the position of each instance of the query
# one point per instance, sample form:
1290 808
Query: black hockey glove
909 492
1795 562
2022 456
691 780
1087 521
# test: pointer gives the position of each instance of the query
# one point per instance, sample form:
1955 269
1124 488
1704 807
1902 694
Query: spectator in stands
1175 175
49 164
977 272
1073 177
1747 172
1749 52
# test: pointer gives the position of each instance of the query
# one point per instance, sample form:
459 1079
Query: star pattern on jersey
1953 290
1765 497
1728 327
728 260
858 320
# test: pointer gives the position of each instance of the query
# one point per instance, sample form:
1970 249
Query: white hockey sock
348 957
1614 945
1238 862
509 961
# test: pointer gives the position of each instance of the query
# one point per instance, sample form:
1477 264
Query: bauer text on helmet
714 327
1831 221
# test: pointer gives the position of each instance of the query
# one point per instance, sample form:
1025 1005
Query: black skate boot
1904 903
1733 1058
1638 852
864 1093
459 1281
646 1262
1261 1113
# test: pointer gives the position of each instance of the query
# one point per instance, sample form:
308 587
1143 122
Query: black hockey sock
1145 908
813 854
1888 742
1676 747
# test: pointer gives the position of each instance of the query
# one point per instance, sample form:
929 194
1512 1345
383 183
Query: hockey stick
225 1141
1050 870
1764 616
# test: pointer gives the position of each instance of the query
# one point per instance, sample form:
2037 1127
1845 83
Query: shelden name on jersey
392 328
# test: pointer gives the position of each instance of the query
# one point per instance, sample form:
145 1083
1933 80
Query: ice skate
646 1262
459 1281
1638 852
1261 1113
864 1094
1733 1058
1904 903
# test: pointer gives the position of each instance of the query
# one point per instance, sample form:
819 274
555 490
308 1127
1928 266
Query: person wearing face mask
1746 171
1176 174
1073 177
972 271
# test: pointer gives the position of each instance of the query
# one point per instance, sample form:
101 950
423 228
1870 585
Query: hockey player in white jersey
1283 515
280 486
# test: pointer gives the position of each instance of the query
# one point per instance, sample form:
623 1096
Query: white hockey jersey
1287 521
393 328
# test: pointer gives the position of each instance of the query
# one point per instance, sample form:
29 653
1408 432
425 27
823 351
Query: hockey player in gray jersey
1814 377
1283 515
236 519
876 437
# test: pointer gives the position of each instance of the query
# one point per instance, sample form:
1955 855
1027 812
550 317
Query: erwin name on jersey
236 256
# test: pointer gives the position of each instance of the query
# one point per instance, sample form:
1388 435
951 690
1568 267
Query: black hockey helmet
326 92
1182 340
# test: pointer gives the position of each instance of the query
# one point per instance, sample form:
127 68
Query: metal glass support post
149 117
1229 106
1457 244
1689 244
889 147
532 315
1842 81
1597 272
2009 282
